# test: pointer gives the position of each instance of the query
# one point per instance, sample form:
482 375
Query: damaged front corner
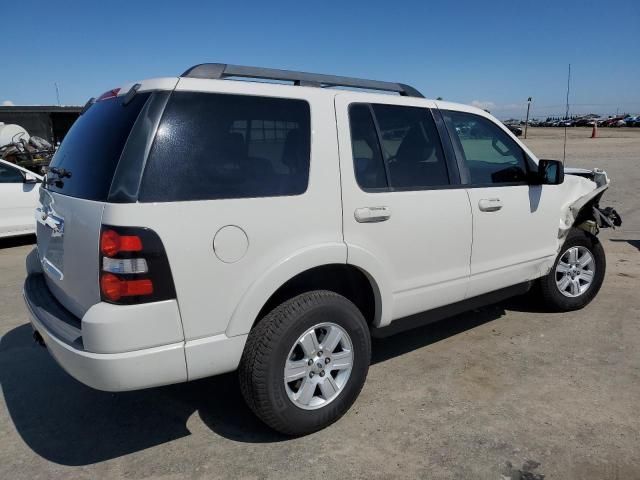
583 212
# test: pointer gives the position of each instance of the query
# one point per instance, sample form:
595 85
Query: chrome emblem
45 217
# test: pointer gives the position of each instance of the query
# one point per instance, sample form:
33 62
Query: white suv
197 225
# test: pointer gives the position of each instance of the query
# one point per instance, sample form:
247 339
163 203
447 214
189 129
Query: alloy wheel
318 366
575 271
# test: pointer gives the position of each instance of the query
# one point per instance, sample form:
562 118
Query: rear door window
396 148
216 146
411 145
91 149
367 156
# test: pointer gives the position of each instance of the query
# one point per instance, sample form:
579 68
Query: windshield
84 165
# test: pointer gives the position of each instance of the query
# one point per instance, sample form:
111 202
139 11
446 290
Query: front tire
577 273
305 363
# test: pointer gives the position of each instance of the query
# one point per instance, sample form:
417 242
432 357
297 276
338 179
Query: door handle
490 204
49 220
372 214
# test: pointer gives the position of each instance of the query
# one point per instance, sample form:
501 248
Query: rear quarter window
216 146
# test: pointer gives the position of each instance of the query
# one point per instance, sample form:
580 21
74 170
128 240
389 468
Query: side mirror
30 179
550 172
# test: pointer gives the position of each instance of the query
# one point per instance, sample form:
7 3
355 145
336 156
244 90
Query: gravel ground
507 391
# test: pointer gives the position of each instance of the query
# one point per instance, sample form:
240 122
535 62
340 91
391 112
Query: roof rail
222 70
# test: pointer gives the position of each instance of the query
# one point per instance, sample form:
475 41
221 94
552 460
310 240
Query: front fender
266 285
583 190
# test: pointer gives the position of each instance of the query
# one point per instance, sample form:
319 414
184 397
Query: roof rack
219 71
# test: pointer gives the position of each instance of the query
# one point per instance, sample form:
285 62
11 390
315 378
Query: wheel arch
322 267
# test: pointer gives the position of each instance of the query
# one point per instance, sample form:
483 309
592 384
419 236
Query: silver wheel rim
318 366
575 271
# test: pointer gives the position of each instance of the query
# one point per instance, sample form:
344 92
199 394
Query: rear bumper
117 348
130 370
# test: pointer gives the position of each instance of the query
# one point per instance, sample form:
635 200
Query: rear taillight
134 266
114 288
112 243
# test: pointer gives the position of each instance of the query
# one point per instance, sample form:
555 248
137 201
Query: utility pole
526 122
564 148
57 92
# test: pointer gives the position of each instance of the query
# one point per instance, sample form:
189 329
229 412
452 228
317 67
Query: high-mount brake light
112 243
134 266
113 288
108 94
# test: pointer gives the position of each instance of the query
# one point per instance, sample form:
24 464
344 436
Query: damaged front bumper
585 212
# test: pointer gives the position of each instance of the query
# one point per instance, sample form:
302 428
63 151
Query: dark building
49 122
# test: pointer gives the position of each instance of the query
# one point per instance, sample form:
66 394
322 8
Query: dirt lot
489 393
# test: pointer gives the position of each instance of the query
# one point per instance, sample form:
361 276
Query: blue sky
495 54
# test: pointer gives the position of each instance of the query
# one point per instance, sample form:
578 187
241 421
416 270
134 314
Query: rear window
91 149
400 150
215 146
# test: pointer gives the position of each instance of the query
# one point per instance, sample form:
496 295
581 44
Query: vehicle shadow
70 424
633 243
389 347
19 241
535 193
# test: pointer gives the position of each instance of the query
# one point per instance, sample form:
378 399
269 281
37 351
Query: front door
515 224
402 215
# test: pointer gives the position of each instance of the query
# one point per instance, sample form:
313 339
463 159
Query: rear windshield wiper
59 173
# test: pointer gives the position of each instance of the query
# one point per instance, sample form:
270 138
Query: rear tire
576 275
305 363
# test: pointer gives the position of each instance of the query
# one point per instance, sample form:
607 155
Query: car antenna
566 118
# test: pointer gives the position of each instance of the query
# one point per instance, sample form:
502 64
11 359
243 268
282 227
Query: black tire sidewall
334 309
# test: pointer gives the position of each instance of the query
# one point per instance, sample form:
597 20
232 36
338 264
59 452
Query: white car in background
18 200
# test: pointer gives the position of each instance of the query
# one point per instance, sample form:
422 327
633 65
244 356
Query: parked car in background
632 121
18 199
515 129
583 122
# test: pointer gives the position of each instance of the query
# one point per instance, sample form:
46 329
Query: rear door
404 210
515 225
17 201
71 202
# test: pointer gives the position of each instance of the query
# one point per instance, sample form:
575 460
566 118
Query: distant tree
439 98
